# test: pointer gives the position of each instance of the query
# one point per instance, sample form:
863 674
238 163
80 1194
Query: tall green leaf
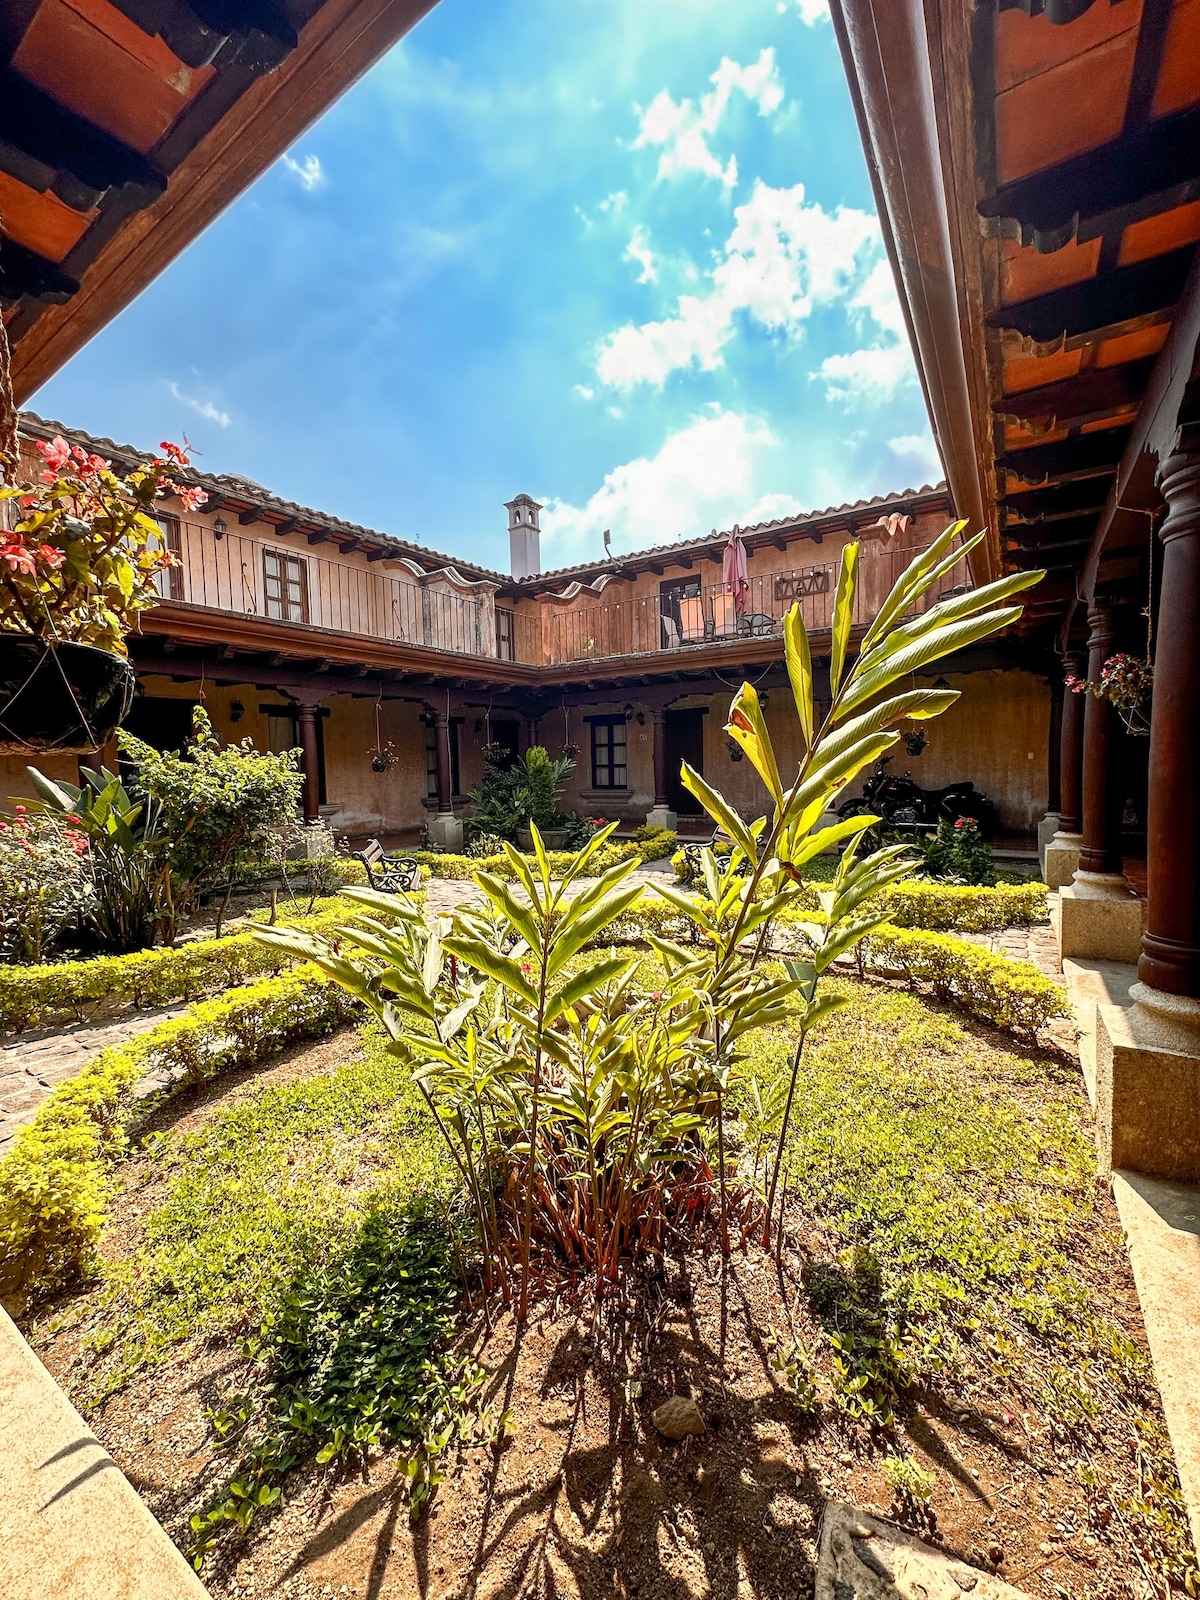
720 811
930 647
843 613
799 666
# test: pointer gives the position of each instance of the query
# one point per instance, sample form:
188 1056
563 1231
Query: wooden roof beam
44 146
22 272
1057 204
199 32
1133 492
1087 397
1083 455
1147 288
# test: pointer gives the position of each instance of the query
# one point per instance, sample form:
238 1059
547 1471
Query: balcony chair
691 619
724 617
392 874
671 639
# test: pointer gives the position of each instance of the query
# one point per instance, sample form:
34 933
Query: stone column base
446 831
1060 860
1099 919
1047 828
1148 1084
662 817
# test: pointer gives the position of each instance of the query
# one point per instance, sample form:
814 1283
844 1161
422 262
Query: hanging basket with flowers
382 756
81 555
1127 683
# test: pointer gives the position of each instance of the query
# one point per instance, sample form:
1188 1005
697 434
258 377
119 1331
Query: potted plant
79 555
1127 682
382 756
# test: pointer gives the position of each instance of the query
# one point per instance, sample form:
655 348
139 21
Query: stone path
1036 944
36 1063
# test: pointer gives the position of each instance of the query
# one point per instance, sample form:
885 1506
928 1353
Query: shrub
127 856
958 851
1009 994
446 865
44 885
222 806
655 844
515 793
54 1186
30 995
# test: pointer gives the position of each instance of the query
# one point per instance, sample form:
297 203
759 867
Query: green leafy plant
516 793
221 805
84 553
44 883
655 844
127 856
958 852
580 1111
907 1479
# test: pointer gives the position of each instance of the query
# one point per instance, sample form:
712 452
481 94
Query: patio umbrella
734 575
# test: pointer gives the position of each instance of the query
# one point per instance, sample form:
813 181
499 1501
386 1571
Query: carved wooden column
1070 748
1170 959
658 718
660 815
310 760
1062 852
1100 856
442 759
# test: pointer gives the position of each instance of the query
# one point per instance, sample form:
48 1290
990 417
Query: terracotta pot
60 697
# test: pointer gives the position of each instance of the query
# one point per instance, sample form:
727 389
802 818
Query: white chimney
524 536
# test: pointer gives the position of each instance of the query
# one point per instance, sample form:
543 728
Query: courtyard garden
579 1230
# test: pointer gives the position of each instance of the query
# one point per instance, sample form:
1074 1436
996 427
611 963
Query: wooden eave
102 217
1071 142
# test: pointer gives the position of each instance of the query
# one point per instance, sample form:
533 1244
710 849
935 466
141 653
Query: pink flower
19 559
56 455
20 810
192 499
51 557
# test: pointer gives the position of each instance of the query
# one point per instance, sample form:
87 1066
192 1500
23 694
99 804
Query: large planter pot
552 838
60 697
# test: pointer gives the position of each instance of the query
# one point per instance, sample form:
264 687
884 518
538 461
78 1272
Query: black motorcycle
901 802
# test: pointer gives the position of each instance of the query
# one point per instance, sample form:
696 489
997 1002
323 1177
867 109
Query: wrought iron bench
691 852
392 874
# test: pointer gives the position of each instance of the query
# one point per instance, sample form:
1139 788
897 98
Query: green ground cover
310 1224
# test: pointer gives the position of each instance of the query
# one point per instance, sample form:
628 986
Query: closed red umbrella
734 574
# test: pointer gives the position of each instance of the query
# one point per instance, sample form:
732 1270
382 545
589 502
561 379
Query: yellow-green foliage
1010 994
32 995
655 844
920 903
452 866
54 1186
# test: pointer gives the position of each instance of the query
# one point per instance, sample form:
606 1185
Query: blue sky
618 254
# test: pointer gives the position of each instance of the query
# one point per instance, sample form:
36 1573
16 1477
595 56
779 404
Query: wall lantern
641 719
628 711
236 711
218 527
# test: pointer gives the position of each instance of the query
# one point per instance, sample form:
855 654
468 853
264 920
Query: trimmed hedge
1009 994
452 866
145 978
925 903
55 1186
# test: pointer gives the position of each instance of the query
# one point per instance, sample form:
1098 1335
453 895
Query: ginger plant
586 1114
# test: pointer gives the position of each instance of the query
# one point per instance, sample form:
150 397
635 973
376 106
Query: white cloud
615 202
584 393
872 374
309 172
202 408
811 11
783 259
682 129
917 455
638 250
707 474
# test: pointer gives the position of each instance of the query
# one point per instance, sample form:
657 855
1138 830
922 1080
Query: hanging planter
916 741
79 559
61 697
735 749
1127 683
382 756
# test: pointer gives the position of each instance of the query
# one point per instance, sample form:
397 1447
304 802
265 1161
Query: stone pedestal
662 817
1060 860
1047 828
1148 1084
1099 918
446 831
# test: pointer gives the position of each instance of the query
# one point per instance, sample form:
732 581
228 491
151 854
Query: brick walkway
38 1062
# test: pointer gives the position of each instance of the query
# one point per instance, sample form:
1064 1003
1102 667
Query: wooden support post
1101 852
442 758
310 760
658 718
1170 958
1071 748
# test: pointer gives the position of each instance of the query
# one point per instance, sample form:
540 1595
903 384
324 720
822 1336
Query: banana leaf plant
587 1116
